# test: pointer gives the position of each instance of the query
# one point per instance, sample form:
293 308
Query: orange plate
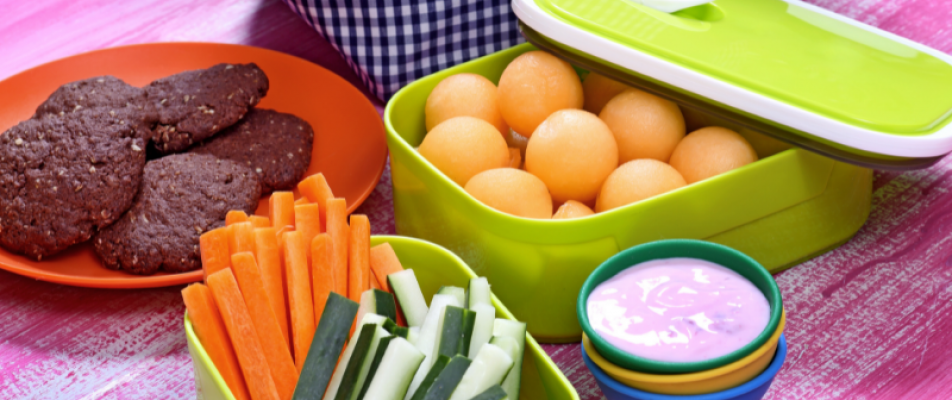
349 144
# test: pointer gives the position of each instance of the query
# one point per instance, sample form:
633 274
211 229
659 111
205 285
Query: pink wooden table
870 320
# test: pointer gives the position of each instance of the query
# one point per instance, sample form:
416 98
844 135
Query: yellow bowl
709 381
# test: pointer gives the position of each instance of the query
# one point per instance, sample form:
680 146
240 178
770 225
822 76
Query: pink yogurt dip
678 310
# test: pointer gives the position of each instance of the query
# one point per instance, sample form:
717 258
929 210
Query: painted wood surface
870 320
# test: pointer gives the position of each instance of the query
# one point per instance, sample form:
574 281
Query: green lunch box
795 203
434 267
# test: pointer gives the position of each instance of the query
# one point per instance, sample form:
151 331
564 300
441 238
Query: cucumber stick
493 393
395 371
407 290
479 292
456 331
457 292
413 334
435 370
378 357
377 302
360 361
489 368
428 335
328 342
448 380
516 330
338 377
483 328
511 348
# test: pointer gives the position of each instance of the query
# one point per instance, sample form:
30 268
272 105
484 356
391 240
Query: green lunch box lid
785 68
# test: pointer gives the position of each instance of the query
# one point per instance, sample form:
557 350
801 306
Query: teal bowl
674 248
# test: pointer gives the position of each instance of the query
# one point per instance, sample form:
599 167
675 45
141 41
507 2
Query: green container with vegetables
434 268
821 98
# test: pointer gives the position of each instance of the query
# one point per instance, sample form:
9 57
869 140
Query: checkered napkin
390 43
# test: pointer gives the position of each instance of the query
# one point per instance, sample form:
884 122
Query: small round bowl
710 381
753 389
713 252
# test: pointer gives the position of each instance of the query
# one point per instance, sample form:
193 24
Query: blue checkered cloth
390 43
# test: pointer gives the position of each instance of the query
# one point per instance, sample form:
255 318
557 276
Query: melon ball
645 125
635 181
512 191
572 152
462 147
572 209
468 95
711 151
535 85
599 90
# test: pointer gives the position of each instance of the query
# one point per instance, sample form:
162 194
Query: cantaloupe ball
461 147
535 85
512 191
645 125
572 152
468 95
599 90
635 181
710 151
764 146
572 209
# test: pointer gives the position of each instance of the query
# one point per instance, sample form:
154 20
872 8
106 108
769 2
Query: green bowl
434 267
713 252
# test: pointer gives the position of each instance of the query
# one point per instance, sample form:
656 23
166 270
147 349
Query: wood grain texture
870 320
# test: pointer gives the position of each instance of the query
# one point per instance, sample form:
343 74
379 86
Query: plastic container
434 267
781 210
713 252
709 381
753 389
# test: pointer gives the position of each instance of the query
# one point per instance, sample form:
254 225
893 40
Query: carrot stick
276 350
359 279
301 201
340 237
210 329
272 276
300 301
384 262
307 219
374 284
322 278
235 216
216 254
243 336
259 221
242 238
281 207
316 189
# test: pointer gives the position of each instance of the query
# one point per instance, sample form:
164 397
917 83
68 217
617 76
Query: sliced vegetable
454 291
511 347
214 247
407 290
429 333
413 334
371 322
259 221
301 201
383 262
449 379
241 330
493 393
316 189
359 366
340 238
234 217
489 368
483 328
435 370
359 256
378 357
394 372
272 276
479 292
373 282
211 332
322 279
281 208
328 341
307 219
242 238
300 300
516 330
456 331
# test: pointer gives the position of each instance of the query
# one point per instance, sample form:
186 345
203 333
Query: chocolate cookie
64 177
275 145
102 93
194 105
181 197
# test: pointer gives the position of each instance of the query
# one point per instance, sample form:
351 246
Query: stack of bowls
743 374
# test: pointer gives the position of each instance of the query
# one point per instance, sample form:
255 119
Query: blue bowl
754 389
